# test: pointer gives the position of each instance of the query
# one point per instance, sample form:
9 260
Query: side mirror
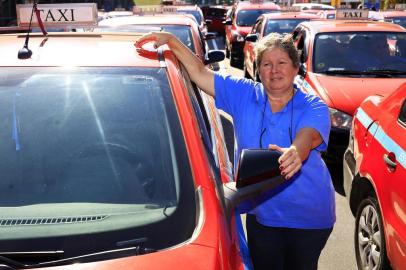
228 22
302 70
214 56
257 171
251 37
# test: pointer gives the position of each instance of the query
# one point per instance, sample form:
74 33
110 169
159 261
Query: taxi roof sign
352 14
55 15
291 9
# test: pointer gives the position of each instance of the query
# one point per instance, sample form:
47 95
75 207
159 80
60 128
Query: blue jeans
274 248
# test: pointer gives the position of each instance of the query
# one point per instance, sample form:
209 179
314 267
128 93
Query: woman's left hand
289 162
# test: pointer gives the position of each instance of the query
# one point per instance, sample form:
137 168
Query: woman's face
276 71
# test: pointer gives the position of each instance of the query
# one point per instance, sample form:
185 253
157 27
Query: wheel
369 237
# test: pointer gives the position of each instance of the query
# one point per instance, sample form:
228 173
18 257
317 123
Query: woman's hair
276 40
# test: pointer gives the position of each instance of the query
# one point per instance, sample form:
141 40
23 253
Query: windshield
282 26
398 20
248 17
360 52
183 32
91 153
195 14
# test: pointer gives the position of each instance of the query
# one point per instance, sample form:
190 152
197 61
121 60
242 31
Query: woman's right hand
158 38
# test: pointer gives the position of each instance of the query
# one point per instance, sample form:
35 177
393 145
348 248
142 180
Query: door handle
388 160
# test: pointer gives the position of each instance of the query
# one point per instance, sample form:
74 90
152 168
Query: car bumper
348 171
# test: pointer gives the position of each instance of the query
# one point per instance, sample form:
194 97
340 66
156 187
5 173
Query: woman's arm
198 72
292 158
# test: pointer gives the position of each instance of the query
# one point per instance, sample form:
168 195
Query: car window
402 114
92 144
215 12
249 16
358 52
282 26
195 14
397 20
257 27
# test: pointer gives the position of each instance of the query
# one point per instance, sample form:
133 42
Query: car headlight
340 119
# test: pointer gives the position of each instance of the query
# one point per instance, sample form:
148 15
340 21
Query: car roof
187 7
74 49
173 19
265 5
320 26
313 5
393 13
289 15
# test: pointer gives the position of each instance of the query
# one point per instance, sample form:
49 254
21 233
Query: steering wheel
144 169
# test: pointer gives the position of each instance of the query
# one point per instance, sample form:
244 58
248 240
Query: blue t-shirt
305 201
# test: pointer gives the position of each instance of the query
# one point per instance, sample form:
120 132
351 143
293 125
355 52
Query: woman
288 227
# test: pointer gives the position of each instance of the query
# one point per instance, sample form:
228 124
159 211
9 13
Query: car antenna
25 52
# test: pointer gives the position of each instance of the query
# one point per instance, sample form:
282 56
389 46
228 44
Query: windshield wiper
5 258
15 259
388 71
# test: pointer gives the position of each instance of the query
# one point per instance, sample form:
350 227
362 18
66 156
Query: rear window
282 26
247 17
397 20
91 153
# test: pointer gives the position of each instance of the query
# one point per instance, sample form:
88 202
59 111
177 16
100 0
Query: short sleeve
316 115
231 92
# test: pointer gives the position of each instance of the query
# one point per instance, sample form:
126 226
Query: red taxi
181 25
393 16
242 17
374 176
343 62
113 159
283 22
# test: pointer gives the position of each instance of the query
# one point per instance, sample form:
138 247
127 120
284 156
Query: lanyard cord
263 116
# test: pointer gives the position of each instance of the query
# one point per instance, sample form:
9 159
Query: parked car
111 158
239 23
181 25
343 62
393 16
283 22
216 15
374 177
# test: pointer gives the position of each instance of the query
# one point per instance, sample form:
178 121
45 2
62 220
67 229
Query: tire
369 237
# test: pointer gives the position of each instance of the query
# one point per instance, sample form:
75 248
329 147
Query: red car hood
346 94
244 30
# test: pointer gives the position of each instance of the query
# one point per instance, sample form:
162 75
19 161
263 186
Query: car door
392 135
